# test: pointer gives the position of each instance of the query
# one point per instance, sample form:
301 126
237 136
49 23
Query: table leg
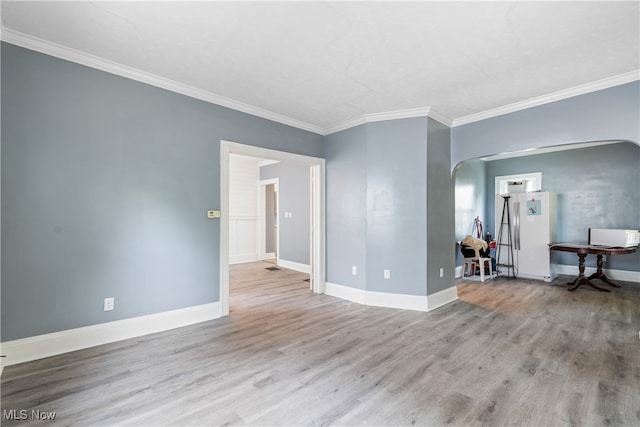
600 275
581 279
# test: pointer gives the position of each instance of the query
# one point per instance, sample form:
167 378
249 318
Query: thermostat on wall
213 214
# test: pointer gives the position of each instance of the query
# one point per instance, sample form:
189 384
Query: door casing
317 168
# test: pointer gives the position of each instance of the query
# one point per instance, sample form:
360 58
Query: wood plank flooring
507 353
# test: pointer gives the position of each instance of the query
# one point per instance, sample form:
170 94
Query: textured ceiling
325 63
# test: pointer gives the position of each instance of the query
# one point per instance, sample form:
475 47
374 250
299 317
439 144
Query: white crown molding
86 59
66 53
390 115
440 118
552 97
399 114
356 121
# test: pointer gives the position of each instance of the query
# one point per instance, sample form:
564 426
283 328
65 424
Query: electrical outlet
109 303
441 272
354 270
387 274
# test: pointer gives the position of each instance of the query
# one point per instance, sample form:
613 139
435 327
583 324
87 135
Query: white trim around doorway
317 165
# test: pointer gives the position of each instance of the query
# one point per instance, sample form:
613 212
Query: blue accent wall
105 187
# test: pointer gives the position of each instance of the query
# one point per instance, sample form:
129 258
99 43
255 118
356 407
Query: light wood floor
506 353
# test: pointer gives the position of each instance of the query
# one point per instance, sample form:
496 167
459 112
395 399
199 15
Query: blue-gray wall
105 186
597 187
604 115
390 193
270 219
294 196
470 187
397 206
611 114
440 205
105 182
346 206
470 192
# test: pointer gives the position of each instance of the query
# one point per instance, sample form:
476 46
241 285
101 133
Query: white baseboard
383 299
623 275
405 302
270 255
572 270
239 259
346 292
40 346
441 298
302 268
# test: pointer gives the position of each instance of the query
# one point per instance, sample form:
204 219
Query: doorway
268 234
571 171
317 173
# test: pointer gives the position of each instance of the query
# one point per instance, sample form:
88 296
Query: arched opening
597 183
